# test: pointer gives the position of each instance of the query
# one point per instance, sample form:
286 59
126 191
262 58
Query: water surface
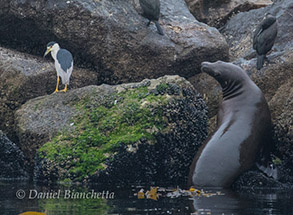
92 201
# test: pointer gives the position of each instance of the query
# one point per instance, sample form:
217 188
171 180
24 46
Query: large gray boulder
112 36
23 77
129 133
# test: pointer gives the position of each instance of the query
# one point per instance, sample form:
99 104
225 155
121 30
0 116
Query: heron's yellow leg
57 86
65 89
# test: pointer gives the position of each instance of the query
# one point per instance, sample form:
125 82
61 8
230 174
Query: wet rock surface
24 77
112 36
254 179
122 134
12 160
217 13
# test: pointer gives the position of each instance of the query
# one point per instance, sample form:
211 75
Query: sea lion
243 129
151 10
264 38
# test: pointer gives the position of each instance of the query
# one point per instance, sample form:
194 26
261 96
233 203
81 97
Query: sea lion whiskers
233 89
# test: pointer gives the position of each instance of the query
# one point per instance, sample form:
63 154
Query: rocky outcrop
12 161
112 36
130 133
24 77
283 121
217 12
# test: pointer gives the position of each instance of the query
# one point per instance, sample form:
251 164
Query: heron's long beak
48 51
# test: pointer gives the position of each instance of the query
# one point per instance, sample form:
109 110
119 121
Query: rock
23 77
12 161
112 36
210 89
130 133
283 123
217 13
212 95
253 180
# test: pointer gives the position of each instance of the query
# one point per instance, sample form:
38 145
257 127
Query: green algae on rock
102 128
126 133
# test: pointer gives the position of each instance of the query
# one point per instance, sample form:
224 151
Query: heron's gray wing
65 59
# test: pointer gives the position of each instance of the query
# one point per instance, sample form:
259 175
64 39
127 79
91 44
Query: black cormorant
264 38
151 10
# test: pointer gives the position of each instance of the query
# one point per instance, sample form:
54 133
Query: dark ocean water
18 197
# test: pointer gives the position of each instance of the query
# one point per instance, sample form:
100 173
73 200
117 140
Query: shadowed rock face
112 36
130 133
12 161
24 77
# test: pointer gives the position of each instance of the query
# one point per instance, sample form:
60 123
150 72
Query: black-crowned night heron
63 63
151 10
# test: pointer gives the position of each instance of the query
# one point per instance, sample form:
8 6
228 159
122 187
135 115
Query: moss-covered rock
127 133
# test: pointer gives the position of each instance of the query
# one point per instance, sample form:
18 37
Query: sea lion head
224 73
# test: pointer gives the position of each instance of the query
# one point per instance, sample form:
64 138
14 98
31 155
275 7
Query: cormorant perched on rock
264 38
151 10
